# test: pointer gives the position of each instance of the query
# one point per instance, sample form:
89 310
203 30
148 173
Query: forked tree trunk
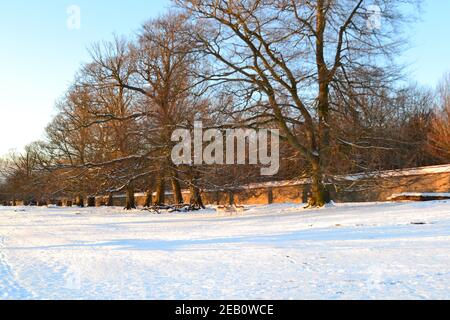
160 192
196 197
130 200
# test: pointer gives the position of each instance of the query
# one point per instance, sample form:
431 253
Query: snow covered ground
350 251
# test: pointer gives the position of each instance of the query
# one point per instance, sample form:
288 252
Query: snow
442 169
345 251
420 194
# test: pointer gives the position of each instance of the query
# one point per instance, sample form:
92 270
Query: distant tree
439 137
23 175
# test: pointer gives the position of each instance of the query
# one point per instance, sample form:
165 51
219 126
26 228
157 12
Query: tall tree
286 57
159 68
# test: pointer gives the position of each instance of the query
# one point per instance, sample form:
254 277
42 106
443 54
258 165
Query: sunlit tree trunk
176 189
160 191
149 198
79 201
130 199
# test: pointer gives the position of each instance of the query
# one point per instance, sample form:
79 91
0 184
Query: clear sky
39 54
430 40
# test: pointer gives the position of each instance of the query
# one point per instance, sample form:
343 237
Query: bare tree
439 137
285 57
158 68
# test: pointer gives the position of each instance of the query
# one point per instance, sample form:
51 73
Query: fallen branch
172 208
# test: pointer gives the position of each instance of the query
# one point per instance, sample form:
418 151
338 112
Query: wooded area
312 69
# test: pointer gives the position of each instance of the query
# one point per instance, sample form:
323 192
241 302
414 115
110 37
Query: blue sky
429 55
39 55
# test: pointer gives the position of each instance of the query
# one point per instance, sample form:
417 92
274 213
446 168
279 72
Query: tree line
313 69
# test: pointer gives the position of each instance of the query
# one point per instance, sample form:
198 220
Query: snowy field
358 251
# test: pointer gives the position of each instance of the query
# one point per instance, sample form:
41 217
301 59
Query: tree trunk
217 194
130 202
231 198
319 191
176 188
91 202
196 197
270 196
79 201
319 195
149 198
324 127
160 192
110 202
